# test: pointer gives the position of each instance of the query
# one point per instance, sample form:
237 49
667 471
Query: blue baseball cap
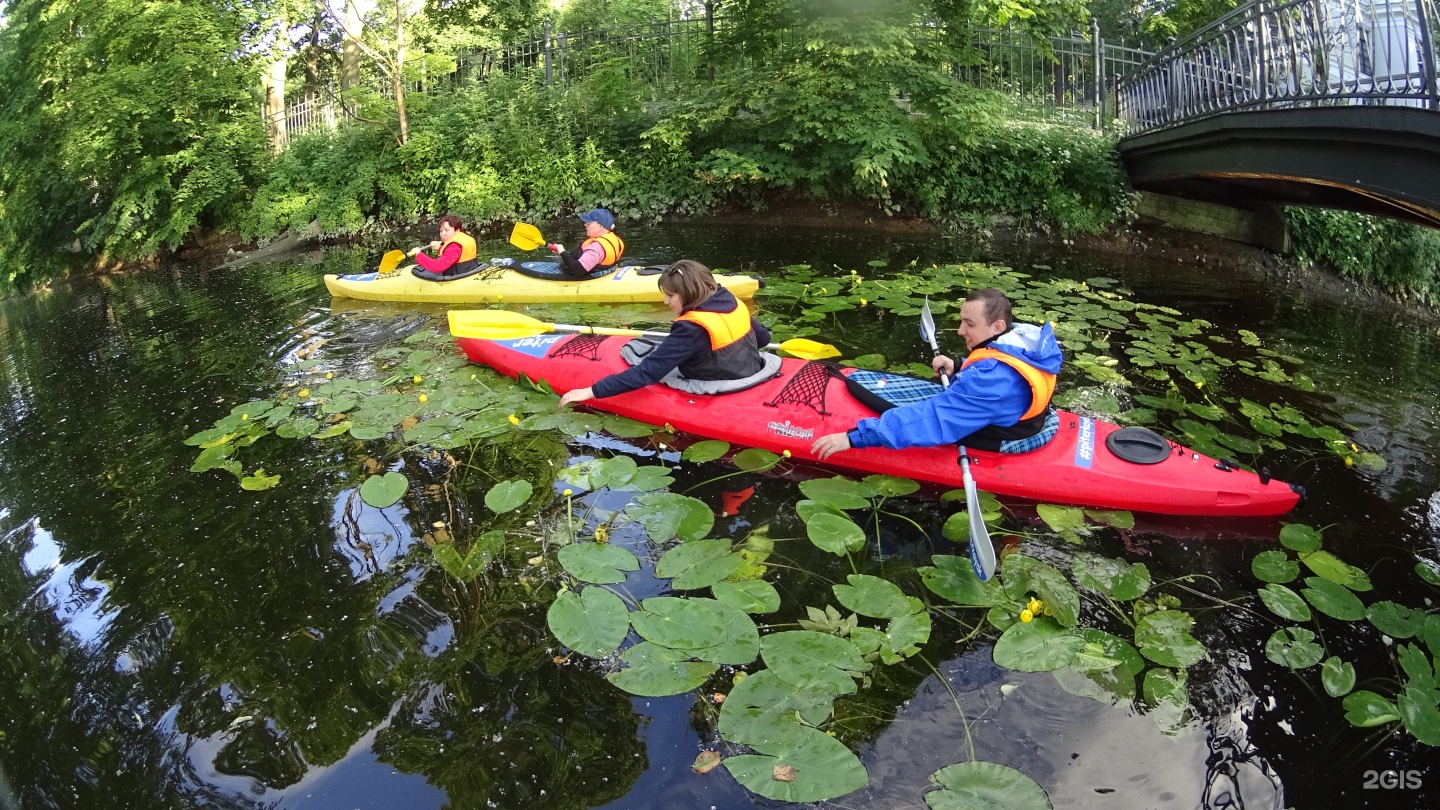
605 219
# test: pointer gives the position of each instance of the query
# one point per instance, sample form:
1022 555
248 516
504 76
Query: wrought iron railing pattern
1279 54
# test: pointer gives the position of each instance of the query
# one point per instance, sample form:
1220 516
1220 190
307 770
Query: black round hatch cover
1138 445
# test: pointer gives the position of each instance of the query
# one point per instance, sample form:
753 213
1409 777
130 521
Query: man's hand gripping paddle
982 551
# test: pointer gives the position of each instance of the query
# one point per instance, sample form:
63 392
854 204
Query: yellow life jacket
724 328
467 247
1042 384
612 245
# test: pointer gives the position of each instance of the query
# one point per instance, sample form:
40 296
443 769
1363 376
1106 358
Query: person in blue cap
601 249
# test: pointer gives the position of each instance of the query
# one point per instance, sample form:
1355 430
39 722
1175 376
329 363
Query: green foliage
1402 258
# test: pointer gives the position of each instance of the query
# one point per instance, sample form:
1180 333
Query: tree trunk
350 52
275 123
398 77
312 60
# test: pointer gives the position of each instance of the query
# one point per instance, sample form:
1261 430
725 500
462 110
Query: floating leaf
1416 665
301 428
708 450
1111 577
382 491
904 636
667 514
840 492
593 622
1164 637
1061 518
752 596
1024 575
600 563
835 534
1274 566
982 785
891 486
1395 620
1118 518
823 768
1335 601
808 509
1327 565
615 471
755 460
682 624
808 658
1284 602
1299 537
763 708
508 495
1293 647
1169 700
698 564
705 762
1036 646
1367 709
625 428
954 578
872 596
1419 713
1103 670
739 641
647 479
1337 676
656 671
1428 571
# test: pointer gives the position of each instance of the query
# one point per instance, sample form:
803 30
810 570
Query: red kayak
805 401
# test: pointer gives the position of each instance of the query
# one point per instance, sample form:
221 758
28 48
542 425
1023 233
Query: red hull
1074 468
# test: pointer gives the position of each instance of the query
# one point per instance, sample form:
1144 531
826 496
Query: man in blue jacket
1000 397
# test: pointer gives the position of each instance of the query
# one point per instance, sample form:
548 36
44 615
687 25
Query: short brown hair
997 306
453 220
690 280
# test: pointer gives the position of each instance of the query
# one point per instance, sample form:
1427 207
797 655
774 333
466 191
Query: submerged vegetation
798 635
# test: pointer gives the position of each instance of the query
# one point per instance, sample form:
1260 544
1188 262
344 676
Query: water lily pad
1299 537
1416 665
1337 676
1293 647
593 622
666 515
615 471
698 564
954 578
1419 714
682 624
1118 518
739 641
816 766
1274 566
1428 571
904 636
1164 637
835 534
1395 620
382 491
1037 646
807 509
1334 600
808 658
1111 577
708 450
840 492
763 708
1367 709
1284 602
600 563
656 671
754 459
1166 689
508 495
891 486
1327 565
1061 518
625 428
983 785
1023 575
872 596
754 596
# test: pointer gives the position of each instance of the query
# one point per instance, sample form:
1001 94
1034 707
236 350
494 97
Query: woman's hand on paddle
413 252
943 365
556 247
577 395
827 445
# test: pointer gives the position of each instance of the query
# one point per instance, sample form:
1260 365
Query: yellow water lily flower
1200 384
424 398
1349 462
1035 606
417 379
602 534
1353 448
568 492
304 393
786 454
1027 616
514 420
329 375
244 417
863 302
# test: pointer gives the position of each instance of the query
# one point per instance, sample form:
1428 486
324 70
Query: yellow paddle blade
391 260
495 324
526 236
809 349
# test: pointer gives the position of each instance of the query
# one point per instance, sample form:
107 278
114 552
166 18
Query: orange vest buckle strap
610 243
724 328
1042 384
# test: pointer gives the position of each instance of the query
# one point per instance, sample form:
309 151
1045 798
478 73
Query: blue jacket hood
1035 345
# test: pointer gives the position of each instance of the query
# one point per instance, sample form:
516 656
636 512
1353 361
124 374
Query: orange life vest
1042 384
724 328
467 251
610 243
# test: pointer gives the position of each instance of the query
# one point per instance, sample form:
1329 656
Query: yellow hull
624 286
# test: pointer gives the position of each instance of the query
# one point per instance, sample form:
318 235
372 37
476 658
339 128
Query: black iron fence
1275 54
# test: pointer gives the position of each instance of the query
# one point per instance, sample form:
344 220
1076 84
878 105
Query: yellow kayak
534 283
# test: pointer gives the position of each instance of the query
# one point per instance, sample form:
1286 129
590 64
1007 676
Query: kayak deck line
624 285
1076 467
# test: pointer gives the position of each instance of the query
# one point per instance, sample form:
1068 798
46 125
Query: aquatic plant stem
964 721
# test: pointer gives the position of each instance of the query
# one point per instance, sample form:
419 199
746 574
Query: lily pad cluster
1333 589
1126 360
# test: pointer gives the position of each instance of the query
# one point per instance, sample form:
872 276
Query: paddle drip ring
1138 445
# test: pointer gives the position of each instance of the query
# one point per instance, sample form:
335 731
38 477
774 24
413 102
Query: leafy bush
1402 258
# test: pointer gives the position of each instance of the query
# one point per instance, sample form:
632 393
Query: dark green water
170 640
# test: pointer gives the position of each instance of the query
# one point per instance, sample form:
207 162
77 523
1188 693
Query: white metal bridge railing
1279 54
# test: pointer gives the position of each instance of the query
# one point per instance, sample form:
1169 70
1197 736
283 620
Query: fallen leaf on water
784 773
562 659
719 697
706 762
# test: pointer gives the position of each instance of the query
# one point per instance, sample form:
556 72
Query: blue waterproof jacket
986 392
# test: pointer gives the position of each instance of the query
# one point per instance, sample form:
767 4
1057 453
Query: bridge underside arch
1371 159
